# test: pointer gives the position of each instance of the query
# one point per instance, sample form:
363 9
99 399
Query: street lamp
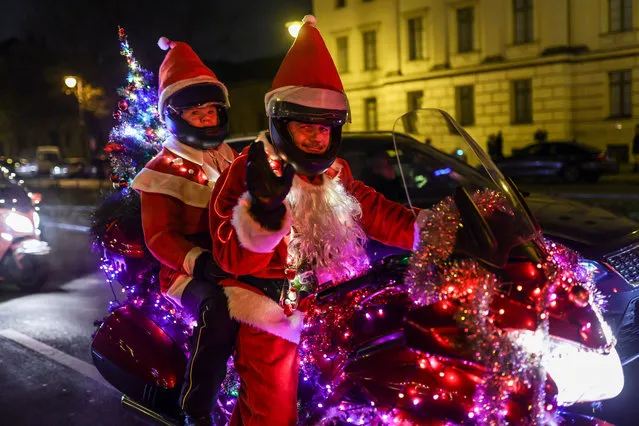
70 81
293 28
73 82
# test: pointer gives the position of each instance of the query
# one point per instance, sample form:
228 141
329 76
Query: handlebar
389 269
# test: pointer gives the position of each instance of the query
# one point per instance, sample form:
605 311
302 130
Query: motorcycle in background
484 323
24 256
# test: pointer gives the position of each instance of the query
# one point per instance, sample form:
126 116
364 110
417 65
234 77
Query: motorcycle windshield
448 159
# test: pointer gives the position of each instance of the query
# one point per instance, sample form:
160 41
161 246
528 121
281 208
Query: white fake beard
326 234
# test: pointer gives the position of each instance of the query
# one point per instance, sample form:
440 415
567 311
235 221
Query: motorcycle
483 323
24 256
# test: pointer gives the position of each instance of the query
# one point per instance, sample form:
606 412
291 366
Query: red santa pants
268 367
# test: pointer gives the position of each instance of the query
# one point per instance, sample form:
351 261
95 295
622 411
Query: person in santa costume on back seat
289 208
175 188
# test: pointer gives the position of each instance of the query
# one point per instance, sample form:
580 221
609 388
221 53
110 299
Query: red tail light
601 156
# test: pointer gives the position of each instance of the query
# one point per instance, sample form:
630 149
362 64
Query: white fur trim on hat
308 96
179 85
309 19
261 312
251 234
164 43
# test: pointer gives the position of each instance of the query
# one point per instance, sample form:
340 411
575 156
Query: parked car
568 161
28 169
40 162
608 242
75 167
78 167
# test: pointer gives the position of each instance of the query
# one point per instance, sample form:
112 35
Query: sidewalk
625 176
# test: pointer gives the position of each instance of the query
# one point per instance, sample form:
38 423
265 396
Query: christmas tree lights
117 228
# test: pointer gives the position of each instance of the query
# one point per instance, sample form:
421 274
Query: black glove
205 269
267 190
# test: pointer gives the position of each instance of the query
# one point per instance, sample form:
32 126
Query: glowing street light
293 28
70 82
75 83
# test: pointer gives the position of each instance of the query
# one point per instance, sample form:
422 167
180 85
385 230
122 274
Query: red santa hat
307 75
181 68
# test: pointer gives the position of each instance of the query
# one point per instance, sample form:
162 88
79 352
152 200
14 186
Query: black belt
271 287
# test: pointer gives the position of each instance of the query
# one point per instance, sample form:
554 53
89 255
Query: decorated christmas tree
117 225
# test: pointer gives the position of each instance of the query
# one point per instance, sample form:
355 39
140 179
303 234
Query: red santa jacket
175 189
242 247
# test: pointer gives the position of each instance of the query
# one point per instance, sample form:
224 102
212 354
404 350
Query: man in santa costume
288 207
175 188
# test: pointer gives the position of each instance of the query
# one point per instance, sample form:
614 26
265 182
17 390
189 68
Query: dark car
608 243
80 168
70 168
568 161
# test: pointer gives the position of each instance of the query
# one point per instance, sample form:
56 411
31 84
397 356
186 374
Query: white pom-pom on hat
309 19
164 43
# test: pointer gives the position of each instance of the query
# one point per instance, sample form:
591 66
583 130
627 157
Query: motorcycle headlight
581 375
19 223
595 268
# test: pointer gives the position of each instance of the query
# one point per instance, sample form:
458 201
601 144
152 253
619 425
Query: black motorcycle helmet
281 112
202 138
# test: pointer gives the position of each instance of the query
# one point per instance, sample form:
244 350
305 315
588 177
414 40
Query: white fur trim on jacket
189 260
174 293
313 97
187 191
251 234
183 150
179 85
259 311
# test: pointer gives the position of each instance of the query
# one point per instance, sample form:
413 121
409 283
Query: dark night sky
231 30
43 40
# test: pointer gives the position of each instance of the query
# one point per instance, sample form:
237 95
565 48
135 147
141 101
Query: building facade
566 66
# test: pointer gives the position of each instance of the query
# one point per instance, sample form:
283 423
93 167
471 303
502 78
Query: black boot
212 344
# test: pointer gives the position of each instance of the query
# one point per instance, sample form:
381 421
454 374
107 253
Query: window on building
621 93
370 111
522 101
342 54
415 39
523 10
465 105
340 3
465 18
370 50
620 13
414 101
